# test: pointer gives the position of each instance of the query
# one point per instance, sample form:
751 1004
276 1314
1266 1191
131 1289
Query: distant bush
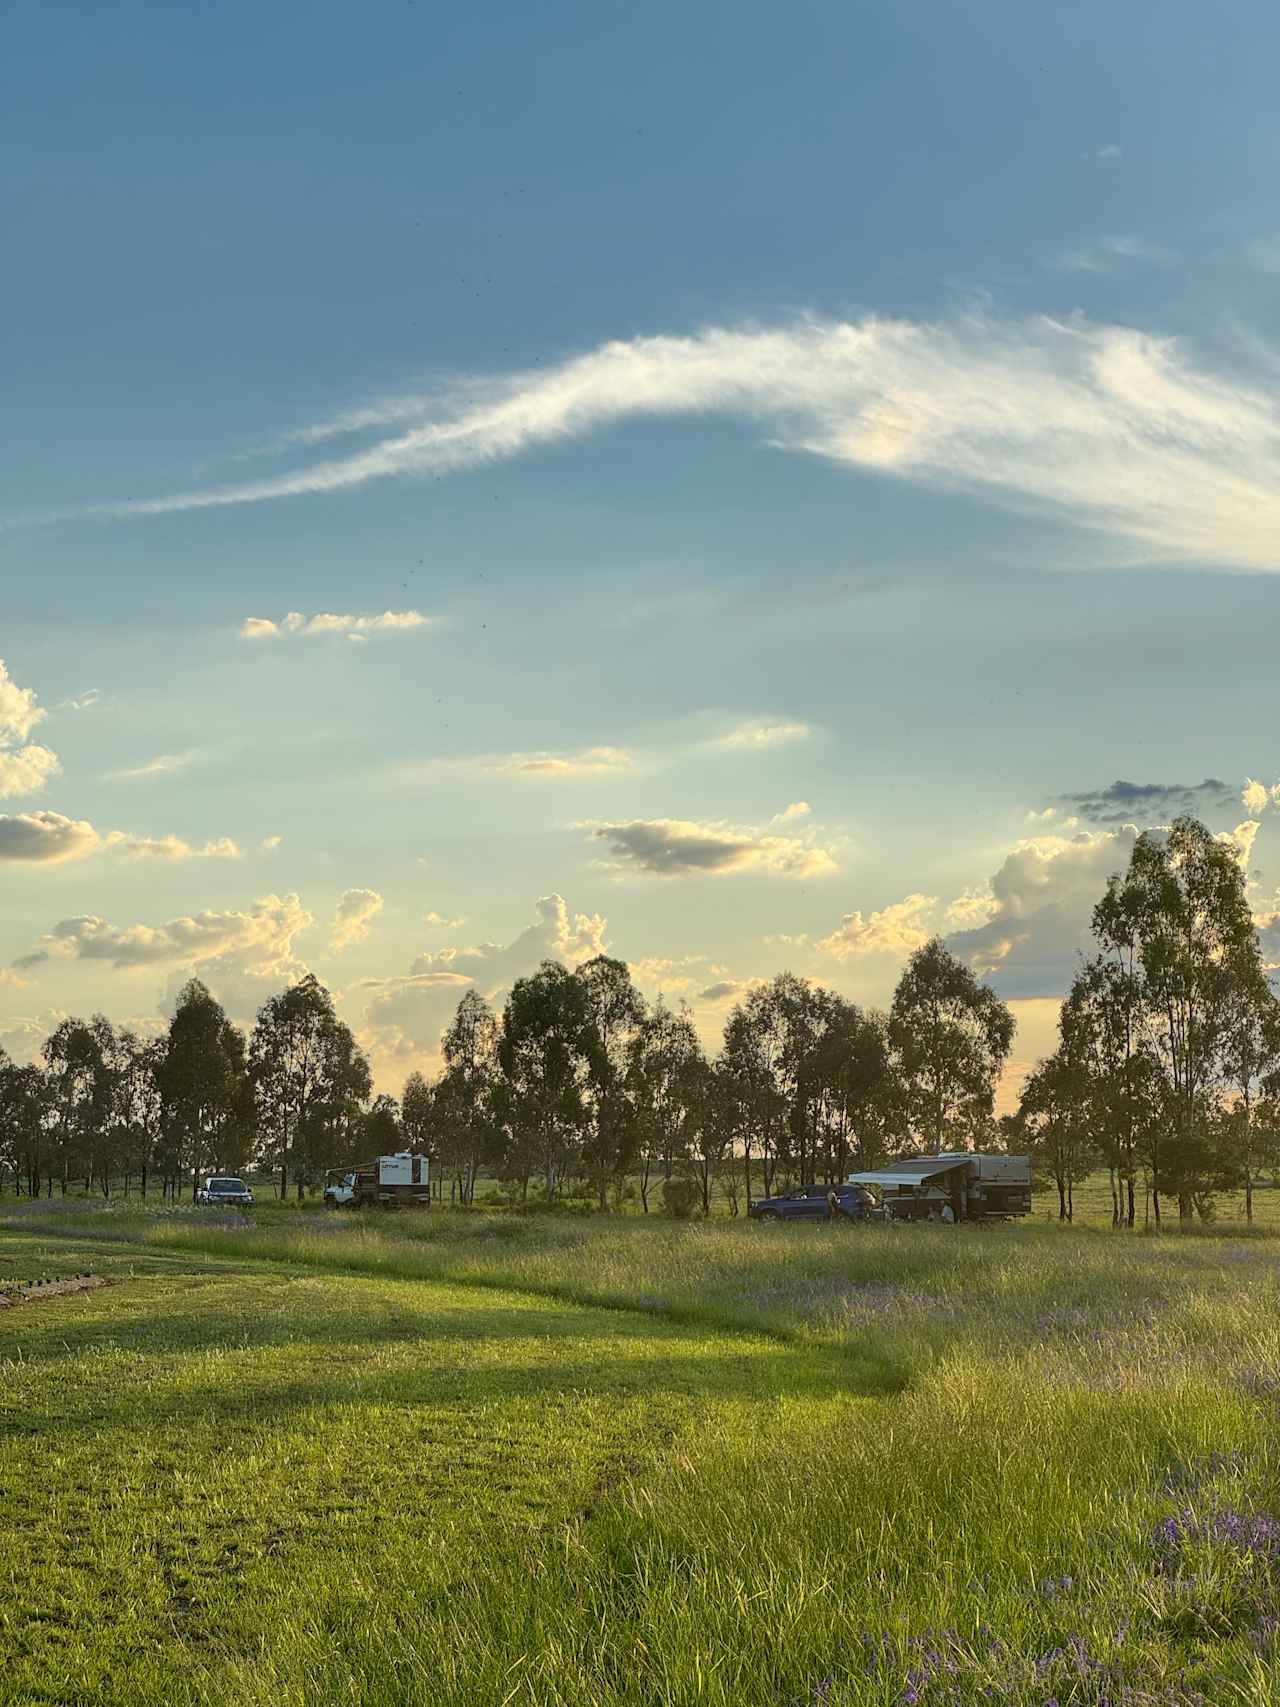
680 1197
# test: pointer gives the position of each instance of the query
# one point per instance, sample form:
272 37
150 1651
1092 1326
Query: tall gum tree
951 1036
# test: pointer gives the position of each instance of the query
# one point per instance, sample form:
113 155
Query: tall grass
1020 1465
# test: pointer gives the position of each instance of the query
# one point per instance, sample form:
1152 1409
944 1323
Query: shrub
680 1197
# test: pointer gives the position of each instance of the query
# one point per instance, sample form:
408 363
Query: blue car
810 1204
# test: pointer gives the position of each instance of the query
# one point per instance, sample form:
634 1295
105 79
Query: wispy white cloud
82 702
332 622
760 732
164 764
442 923
1116 428
269 844
1110 255
789 814
591 761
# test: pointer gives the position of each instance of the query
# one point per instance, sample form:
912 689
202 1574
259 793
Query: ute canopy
919 1172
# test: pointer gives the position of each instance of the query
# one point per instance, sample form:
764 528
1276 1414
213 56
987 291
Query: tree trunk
1062 1200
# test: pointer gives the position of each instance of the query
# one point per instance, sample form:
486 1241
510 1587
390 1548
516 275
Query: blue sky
862 408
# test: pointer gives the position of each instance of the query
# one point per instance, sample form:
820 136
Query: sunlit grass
604 1462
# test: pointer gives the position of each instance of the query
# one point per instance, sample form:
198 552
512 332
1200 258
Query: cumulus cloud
441 922
898 929
1151 803
678 847
50 838
662 973
46 838
19 712
26 768
972 908
797 809
269 844
1241 839
1042 900
726 990
761 733
264 932
170 847
356 911
557 934
1118 429
332 622
405 1015
1255 797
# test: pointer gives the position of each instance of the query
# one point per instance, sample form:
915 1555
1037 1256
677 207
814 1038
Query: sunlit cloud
762 733
1118 429
898 929
678 847
332 622
356 911
164 764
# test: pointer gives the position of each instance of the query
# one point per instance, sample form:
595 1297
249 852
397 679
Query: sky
738 488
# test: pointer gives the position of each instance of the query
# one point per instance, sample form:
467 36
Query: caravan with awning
958 1185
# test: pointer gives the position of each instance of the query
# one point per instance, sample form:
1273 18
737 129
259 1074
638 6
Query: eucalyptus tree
310 1080
467 1105
767 1040
24 1135
539 1053
1052 1120
613 1018
850 1086
205 1113
666 1079
1180 917
1251 1069
950 1036
75 1077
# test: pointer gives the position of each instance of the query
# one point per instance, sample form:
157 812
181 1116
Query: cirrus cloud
1118 429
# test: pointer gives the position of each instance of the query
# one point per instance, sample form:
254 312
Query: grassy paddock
495 1460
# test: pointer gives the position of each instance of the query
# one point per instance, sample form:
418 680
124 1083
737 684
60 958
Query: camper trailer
958 1185
403 1178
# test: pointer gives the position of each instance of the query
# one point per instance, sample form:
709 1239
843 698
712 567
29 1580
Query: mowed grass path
199 1468
810 1467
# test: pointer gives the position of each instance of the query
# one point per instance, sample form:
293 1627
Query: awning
905 1176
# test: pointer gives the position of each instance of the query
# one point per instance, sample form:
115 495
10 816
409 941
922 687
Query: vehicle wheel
768 1215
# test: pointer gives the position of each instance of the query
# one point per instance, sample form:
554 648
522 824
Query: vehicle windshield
226 1185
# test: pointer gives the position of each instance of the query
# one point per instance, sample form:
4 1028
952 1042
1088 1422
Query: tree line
1167 1074
1167 1070
578 1088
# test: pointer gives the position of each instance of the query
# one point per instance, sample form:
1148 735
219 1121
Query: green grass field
488 1460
